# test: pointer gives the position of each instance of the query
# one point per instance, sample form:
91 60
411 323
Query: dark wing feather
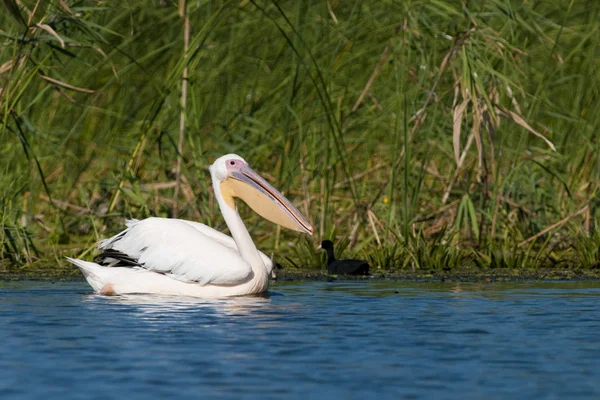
115 258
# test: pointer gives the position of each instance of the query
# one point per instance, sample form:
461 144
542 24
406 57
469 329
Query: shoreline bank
458 275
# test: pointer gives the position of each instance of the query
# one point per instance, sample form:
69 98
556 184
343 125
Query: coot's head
326 245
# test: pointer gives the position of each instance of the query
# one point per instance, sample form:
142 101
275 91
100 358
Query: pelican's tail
93 273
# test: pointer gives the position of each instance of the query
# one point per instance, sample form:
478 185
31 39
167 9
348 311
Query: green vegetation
424 134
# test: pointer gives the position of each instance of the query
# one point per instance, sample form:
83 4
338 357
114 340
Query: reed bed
424 134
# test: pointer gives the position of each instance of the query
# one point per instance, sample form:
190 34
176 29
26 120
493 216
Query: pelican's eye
233 165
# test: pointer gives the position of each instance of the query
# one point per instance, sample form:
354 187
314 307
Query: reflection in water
157 305
160 309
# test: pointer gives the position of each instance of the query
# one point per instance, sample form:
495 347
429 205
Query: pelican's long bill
264 199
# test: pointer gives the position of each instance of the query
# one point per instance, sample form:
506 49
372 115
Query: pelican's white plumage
179 257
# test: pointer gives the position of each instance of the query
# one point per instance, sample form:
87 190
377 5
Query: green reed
421 134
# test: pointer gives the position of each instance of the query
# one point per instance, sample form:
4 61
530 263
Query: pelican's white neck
240 234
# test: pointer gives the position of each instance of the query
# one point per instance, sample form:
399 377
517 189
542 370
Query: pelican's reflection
150 306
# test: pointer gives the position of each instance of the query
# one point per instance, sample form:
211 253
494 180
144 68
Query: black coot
343 267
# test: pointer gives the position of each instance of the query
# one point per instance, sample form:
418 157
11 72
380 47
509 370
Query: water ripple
352 340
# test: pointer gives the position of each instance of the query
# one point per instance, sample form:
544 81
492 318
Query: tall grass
425 133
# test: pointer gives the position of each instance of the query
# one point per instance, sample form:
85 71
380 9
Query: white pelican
178 257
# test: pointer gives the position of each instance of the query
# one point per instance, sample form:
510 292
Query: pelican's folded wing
175 248
226 240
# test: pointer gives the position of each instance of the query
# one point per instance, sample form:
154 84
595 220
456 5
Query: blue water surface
351 340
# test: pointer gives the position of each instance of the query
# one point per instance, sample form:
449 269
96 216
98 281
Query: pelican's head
236 179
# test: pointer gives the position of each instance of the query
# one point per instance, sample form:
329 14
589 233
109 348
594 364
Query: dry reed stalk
330 10
440 210
306 201
66 85
186 189
555 225
65 204
6 66
188 193
159 185
372 223
495 217
353 237
184 83
439 225
277 235
322 222
514 204
41 224
65 95
375 101
382 59
52 32
54 174
461 160
476 129
358 176
456 126
421 114
378 221
520 121
138 160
